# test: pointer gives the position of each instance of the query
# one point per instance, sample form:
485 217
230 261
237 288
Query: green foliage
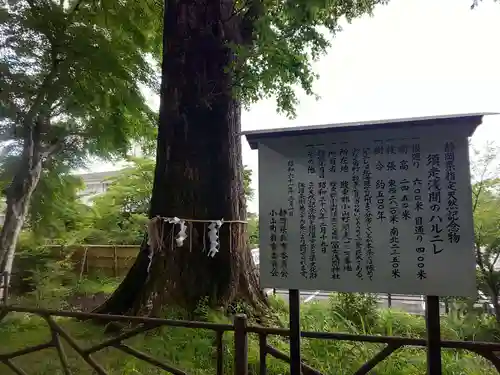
247 184
357 308
487 217
288 37
253 230
72 74
486 208
118 216
129 191
79 66
55 209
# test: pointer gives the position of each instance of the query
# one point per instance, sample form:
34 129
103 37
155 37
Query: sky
411 58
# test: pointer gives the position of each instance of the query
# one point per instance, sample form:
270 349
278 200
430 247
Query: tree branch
492 265
486 164
76 7
43 99
479 256
51 150
247 25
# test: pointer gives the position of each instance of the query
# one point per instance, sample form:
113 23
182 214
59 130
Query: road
410 304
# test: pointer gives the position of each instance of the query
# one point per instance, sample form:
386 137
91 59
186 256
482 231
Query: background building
95 183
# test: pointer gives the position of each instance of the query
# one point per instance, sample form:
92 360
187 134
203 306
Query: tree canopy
485 168
285 38
79 67
72 73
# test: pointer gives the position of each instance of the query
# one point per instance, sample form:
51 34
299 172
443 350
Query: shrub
360 309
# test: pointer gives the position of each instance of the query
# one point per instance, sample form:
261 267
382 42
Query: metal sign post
433 336
294 304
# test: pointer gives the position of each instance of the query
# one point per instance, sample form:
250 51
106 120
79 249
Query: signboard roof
470 120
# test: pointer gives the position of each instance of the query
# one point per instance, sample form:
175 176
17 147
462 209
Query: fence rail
241 330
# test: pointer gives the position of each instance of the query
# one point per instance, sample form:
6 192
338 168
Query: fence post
240 345
389 300
115 262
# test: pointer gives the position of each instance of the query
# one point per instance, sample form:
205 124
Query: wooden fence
113 260
240 329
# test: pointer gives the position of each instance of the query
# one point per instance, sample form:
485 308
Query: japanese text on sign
377 215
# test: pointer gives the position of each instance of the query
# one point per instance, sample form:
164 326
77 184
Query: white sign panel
367 211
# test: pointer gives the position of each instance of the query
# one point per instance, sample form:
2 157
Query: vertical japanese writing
321 162
272 241
332 158
357 211
404 185
378 150
395 254
453 225
283 243
434 199
344 163
301 188
419 229
403 163
393 202
345 217
311 205
291 185
415 155
367 186
335 266
394 245
322 197
311 169
323 235
390 150
380 187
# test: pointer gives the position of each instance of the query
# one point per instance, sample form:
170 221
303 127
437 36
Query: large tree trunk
199 172
18 197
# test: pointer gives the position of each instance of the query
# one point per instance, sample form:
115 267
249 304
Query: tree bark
493 294
199 172
496 306
18 197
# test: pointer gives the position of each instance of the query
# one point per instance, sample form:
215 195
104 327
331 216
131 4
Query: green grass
194 350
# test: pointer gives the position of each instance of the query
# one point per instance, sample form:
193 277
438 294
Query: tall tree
217 56
71 73
486 207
